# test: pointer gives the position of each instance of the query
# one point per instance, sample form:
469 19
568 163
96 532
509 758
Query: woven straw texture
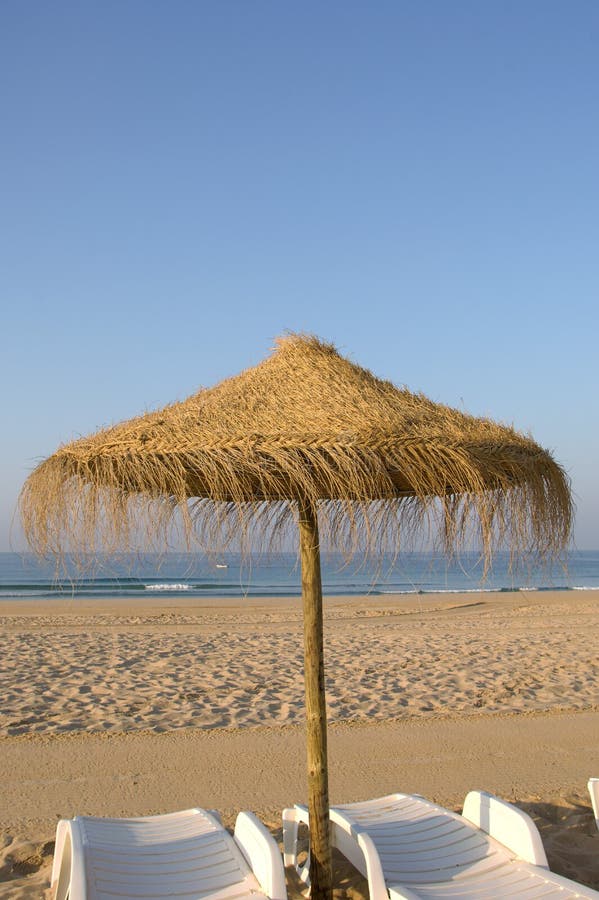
379 462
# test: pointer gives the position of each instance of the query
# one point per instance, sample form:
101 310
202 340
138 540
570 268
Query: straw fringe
230 463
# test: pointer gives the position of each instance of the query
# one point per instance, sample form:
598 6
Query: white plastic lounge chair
184 854
594 792
408 847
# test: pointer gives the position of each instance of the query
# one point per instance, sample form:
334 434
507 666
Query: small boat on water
222 566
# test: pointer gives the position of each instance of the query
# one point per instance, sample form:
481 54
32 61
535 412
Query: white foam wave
446 591
166 587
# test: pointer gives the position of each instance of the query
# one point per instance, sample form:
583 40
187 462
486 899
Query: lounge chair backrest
411 848
185 855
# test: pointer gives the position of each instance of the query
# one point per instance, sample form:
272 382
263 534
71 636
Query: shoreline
172 593
139 602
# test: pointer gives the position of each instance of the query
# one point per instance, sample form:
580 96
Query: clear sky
180 182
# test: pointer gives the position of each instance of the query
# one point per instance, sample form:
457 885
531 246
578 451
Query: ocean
230 575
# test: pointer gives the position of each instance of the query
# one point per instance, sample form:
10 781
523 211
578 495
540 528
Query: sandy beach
131 708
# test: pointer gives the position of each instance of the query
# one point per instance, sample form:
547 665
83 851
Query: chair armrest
68 866
593 787
292 817
262 853
374 869
507 824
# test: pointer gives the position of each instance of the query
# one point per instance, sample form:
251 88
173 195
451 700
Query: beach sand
125 707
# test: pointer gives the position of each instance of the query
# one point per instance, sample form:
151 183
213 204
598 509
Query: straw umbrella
306 435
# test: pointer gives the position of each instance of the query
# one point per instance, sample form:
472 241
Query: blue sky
415 181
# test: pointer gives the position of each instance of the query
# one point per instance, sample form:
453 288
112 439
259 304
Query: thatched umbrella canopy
309 435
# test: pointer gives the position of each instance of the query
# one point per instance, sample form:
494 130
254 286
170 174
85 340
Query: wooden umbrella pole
321 874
